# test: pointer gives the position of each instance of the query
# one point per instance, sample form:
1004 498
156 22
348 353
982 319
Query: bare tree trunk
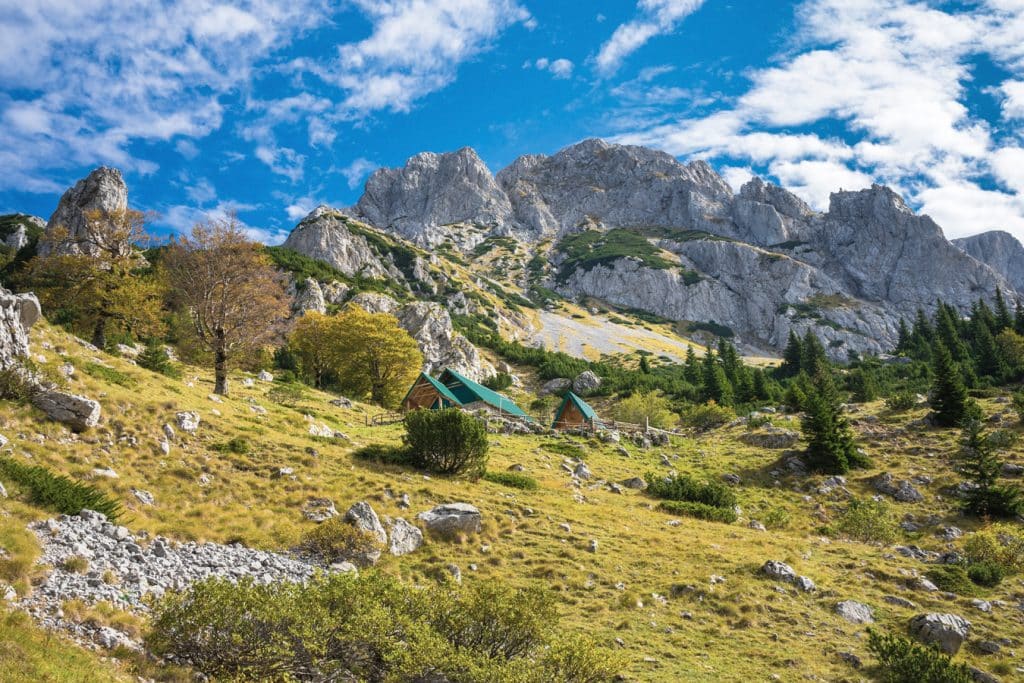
220 365
99 333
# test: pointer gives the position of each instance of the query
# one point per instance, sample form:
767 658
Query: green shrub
707 416
154 358
566 448
987 574
651 406
903 661
388 455
708 513
513 480
286 393
57 492
109 375
901 401
1001 545
867 520
336 540
1018 404
238 445
371 627
776 518
498 382
952 578
682 487
446 441
17 385
76 564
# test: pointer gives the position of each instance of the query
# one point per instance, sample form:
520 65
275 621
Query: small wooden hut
575 413
452 390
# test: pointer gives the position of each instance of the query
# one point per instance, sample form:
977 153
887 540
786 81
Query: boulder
771 437
585 383
559 385
102 191
780 571
855 612
187 421
77 412
452 518
948 631
319 509
635 483
265 376
363 517
405 538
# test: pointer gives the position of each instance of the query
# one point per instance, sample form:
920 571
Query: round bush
446 442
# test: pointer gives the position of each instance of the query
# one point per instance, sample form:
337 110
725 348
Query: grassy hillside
647 590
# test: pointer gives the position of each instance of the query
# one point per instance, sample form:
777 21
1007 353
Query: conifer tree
730 360
981 466
792 356
645 365
1018 319
948 396
989 360
1003 319
813 358
716 385
762 391
947 331
863 385
692 371
830 442
903 344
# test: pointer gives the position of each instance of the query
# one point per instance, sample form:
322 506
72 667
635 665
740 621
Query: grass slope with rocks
680 599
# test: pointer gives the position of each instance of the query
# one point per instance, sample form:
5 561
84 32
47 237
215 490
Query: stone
730 478
319 509
779 571
404 538
771 437
105 473
559 385
948 631
1001 251
102 191
363 517
855 612
581 471
187 421
144 497
77 412
635 483
899 602
265 376
586 382
851 659
1011 469
452 518
430 324
756 525
981 605
341 402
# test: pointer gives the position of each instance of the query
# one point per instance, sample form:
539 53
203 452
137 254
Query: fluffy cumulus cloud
889 80
559 68
654 18
357 171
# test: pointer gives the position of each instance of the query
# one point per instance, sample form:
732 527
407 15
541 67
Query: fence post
647 424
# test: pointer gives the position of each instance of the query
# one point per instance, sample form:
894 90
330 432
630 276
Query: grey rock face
18 312
102 190
586 382
324 235
855 612
405 538
433 191
77 412
187 421
309 297
999 250
452 518
557 385
948 631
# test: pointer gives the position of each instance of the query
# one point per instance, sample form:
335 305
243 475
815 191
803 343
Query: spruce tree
154 357
948 396
903 343
730 360
989 359
863 385
813 358
981 466
830 442
717 387
1018 319
947 331
645 365
692 371
792 356
762 392
1003 319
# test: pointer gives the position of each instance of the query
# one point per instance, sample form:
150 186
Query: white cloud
94 76
282 161
656 17
893 77
736 176
559 68
299 209
415 48
201 191
358 170
186 148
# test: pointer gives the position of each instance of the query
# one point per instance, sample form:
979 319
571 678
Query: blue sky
270 107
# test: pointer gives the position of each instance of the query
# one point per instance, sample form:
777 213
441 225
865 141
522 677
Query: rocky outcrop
18 312
451 519
77 412
431 193
431 326
1001 251
948 631
325 235
102 191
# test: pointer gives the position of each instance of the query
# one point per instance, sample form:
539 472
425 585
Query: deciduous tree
376 357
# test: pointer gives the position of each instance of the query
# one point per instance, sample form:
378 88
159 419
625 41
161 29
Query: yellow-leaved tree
315 341
374 356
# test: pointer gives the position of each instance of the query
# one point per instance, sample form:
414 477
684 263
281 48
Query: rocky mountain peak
324 235
102 190
433 191
1001 251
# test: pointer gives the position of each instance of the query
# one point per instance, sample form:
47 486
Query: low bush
336 540
867 520
109 375
446 442
987 574
1001 545
707 513
497 382
651 407
901 660
371 627
513 480
901 401
385 454
952 578
566 448
57 492
238 445
707 416
154 358
682 487
17 385
76 564
1018 404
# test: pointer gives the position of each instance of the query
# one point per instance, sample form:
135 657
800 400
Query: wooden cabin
452 390
575 414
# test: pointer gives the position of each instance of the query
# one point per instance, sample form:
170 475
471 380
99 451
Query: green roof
441 388
467 391
583 406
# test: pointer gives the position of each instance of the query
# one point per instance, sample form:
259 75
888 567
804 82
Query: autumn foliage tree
374 356
230 292
99 283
